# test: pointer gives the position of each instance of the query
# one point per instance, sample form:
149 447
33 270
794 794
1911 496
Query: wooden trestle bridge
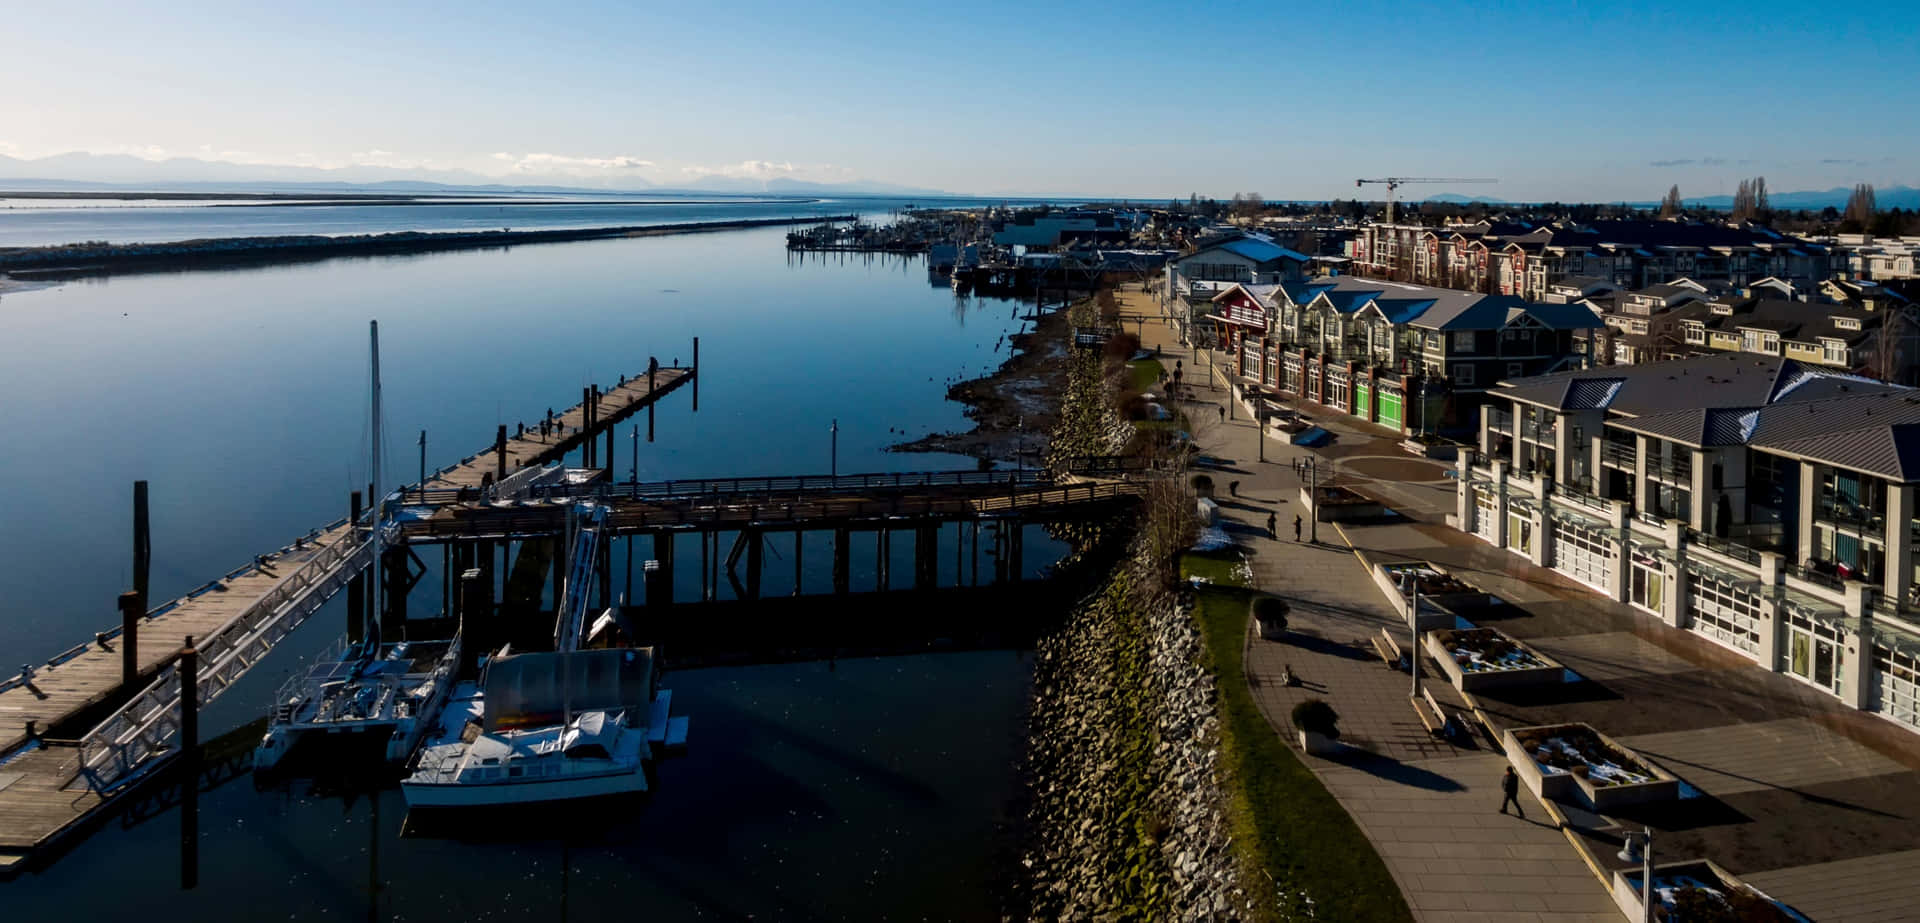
92 724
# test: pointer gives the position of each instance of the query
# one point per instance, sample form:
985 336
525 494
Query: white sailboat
355 692
550 726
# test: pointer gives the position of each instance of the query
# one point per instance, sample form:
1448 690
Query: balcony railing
1841 512
1500 421
1581 497
1538 430
1812 572
1724 547
1677 468
1617 455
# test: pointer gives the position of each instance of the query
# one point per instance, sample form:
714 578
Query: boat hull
521 791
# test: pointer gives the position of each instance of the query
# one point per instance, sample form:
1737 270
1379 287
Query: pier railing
214 585
740 511
147 727
746 486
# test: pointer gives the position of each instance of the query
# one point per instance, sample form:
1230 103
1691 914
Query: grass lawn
1143 375
1281 814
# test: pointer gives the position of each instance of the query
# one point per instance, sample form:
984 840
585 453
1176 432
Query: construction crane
1394 182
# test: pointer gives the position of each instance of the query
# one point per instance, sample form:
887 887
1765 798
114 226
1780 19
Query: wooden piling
130 612
189 765
799 543
142 543
696 374
500 453
754 552
662 552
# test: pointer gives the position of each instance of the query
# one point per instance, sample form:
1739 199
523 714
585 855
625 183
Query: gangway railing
587 521
147 728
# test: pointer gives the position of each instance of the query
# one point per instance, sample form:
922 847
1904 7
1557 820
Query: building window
1463 373
1463 341
1696 334
1515 370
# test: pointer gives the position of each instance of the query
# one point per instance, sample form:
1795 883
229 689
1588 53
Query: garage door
1362 401
1389 409
1582 553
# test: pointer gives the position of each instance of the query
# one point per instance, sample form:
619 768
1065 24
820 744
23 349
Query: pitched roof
1718 381
1253 247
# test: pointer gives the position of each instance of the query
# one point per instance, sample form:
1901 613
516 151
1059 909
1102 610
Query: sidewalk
1806 798
1428 807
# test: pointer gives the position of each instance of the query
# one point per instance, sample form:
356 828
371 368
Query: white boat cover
532 689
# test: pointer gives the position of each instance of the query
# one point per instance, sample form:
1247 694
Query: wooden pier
92 724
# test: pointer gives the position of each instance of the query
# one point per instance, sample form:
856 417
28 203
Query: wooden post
926 545
976 552
704 563
586 427
189 765
357 585
500 453
1016 532
130 612
142 542
608 462
696 374
883 559
663 552
653 369
799 536
394 572
754 554
478 633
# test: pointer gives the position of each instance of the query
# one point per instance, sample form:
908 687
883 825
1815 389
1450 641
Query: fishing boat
551 726
361 694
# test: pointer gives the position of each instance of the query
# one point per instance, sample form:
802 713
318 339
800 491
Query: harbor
816 563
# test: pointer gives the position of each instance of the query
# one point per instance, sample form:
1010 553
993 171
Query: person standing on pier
1273 524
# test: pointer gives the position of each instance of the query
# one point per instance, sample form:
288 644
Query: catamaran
364 690
551 726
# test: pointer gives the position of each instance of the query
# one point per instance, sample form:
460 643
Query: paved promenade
1813 802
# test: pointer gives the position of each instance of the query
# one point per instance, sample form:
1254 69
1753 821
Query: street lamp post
1413 631
1645 856
635 477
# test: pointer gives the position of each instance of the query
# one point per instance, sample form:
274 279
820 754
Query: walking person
1273 525
1223 412
1296 527
1233 488
1510 792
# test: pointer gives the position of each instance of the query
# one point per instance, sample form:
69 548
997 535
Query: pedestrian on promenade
1223 412
1296 527
1273 525
1510 792
1233 488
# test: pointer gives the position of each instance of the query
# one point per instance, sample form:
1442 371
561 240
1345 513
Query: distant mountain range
108 172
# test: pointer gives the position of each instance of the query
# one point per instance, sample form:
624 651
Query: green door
1390 410
1363 400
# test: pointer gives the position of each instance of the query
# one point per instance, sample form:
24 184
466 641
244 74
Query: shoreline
1015 408
77 260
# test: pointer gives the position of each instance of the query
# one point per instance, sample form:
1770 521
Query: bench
1432 723
1387 654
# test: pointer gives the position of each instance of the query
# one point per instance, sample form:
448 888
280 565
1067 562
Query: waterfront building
1760 501
1410 357
1525 258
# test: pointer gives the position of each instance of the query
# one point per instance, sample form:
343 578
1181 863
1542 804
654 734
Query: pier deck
530 448
45 791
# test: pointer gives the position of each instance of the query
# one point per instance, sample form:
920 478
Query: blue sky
1607 101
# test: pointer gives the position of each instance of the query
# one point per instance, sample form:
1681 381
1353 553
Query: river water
860 789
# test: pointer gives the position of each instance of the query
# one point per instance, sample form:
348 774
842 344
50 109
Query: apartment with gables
1759 501
1526 259
1409 357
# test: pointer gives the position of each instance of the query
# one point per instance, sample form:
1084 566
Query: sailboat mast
373 495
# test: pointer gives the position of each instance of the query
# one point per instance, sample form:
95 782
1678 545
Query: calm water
37 222
869 789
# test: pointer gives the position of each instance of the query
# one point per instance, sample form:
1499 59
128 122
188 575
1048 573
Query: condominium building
1526 259
1410 357
1762 502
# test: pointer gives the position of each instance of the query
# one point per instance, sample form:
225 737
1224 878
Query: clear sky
1595 101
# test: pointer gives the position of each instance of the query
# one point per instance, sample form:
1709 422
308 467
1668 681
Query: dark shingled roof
1721 381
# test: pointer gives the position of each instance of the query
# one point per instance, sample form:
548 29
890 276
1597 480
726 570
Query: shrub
1270 609
1318 717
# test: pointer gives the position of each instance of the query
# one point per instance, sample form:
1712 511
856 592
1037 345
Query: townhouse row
1761 502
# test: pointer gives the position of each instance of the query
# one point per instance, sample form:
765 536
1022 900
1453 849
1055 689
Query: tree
1670 206
1761 207
1860 209
1743 201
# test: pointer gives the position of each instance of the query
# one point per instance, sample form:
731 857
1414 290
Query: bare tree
1671 205
1890 356
1761 207
1860 208
1743 201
